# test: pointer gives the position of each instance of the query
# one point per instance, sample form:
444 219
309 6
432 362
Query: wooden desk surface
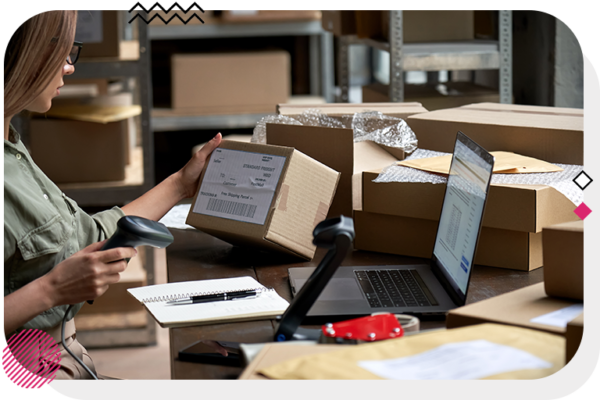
195 255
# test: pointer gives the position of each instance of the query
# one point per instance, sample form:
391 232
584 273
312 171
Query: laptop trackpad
337 289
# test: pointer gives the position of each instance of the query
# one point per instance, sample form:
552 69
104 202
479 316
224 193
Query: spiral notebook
268 304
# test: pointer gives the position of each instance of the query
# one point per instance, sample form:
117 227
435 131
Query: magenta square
582 211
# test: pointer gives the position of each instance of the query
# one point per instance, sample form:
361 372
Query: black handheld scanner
135 231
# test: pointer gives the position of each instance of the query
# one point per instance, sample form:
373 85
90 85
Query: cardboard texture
548 133
78 151
563 260
94 113
515 308
573 335
348 158
343 363
302 199
524 208
415 237
456 94
236 83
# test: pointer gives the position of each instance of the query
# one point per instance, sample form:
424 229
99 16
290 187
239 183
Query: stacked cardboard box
335 147
100 31
229 83
402 218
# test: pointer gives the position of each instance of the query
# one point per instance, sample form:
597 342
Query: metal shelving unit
321 65
452 56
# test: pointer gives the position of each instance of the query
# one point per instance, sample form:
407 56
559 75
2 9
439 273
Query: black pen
215 297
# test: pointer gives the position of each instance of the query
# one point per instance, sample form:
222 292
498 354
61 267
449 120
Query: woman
52 254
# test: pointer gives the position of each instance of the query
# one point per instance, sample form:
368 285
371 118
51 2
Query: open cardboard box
335 148
548 133
268 197
525 208
515 308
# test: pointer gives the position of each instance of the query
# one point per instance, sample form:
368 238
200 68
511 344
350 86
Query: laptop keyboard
394 288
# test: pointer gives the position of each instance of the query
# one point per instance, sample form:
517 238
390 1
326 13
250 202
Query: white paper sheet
176 217
559 318
239 185
464 360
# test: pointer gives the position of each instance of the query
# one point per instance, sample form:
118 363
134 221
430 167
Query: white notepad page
267 303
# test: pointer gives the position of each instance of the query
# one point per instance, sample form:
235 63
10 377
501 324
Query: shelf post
343 65
396 89
327 75
145 87
505 36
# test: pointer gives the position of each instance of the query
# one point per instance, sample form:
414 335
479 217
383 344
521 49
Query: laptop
433 288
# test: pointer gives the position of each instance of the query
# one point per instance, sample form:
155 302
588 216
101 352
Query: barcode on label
231 208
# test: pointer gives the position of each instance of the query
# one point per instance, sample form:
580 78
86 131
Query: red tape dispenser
364 329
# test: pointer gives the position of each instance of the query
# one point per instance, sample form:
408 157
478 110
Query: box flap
515 308
574 226
93 113
306 194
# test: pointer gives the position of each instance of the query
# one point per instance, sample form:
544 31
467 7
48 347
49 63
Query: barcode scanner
135 231
132 231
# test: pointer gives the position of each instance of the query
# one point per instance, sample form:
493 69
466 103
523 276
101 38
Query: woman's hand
86 274
189 175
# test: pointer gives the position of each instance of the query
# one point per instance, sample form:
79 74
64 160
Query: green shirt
42 226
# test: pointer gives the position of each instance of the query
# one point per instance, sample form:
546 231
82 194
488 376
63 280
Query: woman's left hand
189 175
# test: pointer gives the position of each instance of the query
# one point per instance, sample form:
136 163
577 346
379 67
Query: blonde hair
36 51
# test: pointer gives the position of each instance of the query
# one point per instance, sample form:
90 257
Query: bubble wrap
561 181
372 125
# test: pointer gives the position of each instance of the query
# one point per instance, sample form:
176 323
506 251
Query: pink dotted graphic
31 359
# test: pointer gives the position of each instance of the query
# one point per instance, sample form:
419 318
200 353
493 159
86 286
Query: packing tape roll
409 323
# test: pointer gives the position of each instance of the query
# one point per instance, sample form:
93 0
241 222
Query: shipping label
239 185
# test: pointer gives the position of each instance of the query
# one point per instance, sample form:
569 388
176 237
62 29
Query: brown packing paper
343 364
99 114
505 163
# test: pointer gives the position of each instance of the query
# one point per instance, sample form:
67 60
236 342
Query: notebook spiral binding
188 295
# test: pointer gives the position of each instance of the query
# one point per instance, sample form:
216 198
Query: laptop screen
462 212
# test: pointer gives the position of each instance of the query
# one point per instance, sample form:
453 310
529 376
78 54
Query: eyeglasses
74 53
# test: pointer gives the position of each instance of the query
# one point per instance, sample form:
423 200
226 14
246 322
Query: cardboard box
515 308
339 22
230 83
563 260
335 148
343 112
525 208
415 237
548 133
100 32
453 94
269 15
263 196
79 151
573 335
427 26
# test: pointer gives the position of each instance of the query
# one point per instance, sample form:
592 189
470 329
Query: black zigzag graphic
166 11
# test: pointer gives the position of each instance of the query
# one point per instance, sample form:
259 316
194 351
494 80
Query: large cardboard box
448 95
515 308
335 148
524 208
563 260
100 32
548 133
268 197
230 83
415 237
573 335
79 151
431 26
339 22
